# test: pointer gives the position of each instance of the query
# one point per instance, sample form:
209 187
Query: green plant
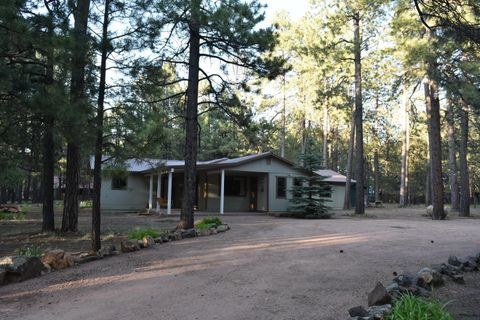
409 307
85 204
12 216
33 251
140 233
208 222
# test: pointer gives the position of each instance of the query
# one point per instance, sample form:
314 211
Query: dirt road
264 268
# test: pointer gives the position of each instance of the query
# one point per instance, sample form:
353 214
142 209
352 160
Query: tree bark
435 148
347 203
376 177
452 158
26 191
77 99
97 170
464 174
405 151
191 121
359 164
325 138
48 221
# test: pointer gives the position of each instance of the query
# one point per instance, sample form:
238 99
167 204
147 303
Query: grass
86 204
208 222
12 216
33 251
140 233
409 307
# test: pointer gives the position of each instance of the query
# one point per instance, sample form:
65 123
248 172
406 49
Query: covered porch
217 191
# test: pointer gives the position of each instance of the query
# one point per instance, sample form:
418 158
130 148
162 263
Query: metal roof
332 176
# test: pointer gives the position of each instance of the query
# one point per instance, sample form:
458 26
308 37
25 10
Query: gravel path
264 268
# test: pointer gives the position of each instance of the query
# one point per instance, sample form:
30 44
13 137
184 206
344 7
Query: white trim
222 191
159 191
169 197
150 193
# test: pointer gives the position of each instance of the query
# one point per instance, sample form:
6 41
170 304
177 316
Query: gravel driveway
264 268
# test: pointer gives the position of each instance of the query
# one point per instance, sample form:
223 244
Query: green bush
208 222
12 216
33 251
409 307
139 234
86 204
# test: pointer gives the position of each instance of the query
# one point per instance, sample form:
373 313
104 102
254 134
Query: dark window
281 187
235 186
297 182
119 183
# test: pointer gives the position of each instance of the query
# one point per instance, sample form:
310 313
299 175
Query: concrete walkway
264 268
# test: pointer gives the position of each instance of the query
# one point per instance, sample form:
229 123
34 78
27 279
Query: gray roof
332 176
146 165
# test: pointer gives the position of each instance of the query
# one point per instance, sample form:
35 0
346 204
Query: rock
429 210
357 312
379 312
405 280
165 239
470 263
158 240
129 246
454 261
392 287
106 251
47 269
379 296
19 268
447 269
203 232
223 228
189 233
213 231
147 242
175 236
58 259
458 278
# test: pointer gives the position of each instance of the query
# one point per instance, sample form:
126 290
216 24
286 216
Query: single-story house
258 182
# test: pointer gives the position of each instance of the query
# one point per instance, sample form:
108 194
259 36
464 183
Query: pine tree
310 193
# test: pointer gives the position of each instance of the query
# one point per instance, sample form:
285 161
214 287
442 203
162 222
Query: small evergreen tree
310 193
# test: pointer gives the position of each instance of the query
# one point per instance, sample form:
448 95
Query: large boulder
19 268
379 296
107 250
223 228
58 259
129 246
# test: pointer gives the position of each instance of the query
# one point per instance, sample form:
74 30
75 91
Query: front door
253 193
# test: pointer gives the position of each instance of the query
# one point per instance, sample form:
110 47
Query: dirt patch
462 300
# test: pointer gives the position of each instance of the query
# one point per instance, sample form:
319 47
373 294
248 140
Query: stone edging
381 299
19 268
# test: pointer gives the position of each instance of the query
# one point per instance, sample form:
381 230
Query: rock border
382 299
19 268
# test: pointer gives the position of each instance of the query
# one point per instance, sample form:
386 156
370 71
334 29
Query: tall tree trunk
347 202
376 177
48 168
284 119
191 121
464 174
435 147
405 150
452 158
3 195
97 170
77 99
359 165
48 171
28 184
325 137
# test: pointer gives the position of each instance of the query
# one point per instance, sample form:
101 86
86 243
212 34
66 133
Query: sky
296 8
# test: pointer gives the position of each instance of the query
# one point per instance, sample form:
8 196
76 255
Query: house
258 182
337 184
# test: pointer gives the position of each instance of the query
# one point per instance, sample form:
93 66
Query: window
119 183
281 187
297 183
235 186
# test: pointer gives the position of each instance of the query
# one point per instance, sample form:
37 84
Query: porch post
169 197
222 191
150 193
159 190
